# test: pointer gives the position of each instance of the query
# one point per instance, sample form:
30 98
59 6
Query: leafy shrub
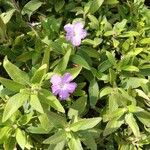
109 105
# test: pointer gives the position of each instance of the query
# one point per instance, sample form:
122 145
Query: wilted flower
75 33
62 86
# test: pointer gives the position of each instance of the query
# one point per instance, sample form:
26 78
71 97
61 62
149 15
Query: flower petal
63 94
67 77
70 87
78 25
56 89
76 40
83 34
55 79
69 37
68 27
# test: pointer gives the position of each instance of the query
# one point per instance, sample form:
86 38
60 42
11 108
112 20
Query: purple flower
75 33
62 86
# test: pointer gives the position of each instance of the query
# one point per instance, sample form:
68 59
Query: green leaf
24 119
15 73
77 59
45 122
142 94
111 2
2 30
135 52
126 146
56 138
11 85
113 102
104 65
111 58
6 16
4 133
95 5
85 124
94 22
35 103
109 33
38 75
30 7
93 92
134 82
74 144
10 143
56 119
105 91
130 68
126 96
112 76
46 57
115 42
112 126
120 26
13 104
50 99
145 41
90 51
130 120
89 141
62 65
141 114
37 130
130 34
24 57
59 5
79 105
115 114
58 146
21 138
74 71
85 56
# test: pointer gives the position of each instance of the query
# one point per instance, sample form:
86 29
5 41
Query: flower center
75 33
63 86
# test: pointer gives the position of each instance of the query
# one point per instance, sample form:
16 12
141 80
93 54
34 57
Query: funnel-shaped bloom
75 32
62 86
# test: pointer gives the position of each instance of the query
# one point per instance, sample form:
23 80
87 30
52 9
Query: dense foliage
107 105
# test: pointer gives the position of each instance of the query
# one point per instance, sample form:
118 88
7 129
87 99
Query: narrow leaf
50 99
38 75
130 120
111 58
21 138
46 57
112 126
13 104
111 2
56 119
30 7
130 68
62 65
105 91
85 124
11 85
35 103
56 138
15 73
74 71
77 59
95 5
75 144
93 92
